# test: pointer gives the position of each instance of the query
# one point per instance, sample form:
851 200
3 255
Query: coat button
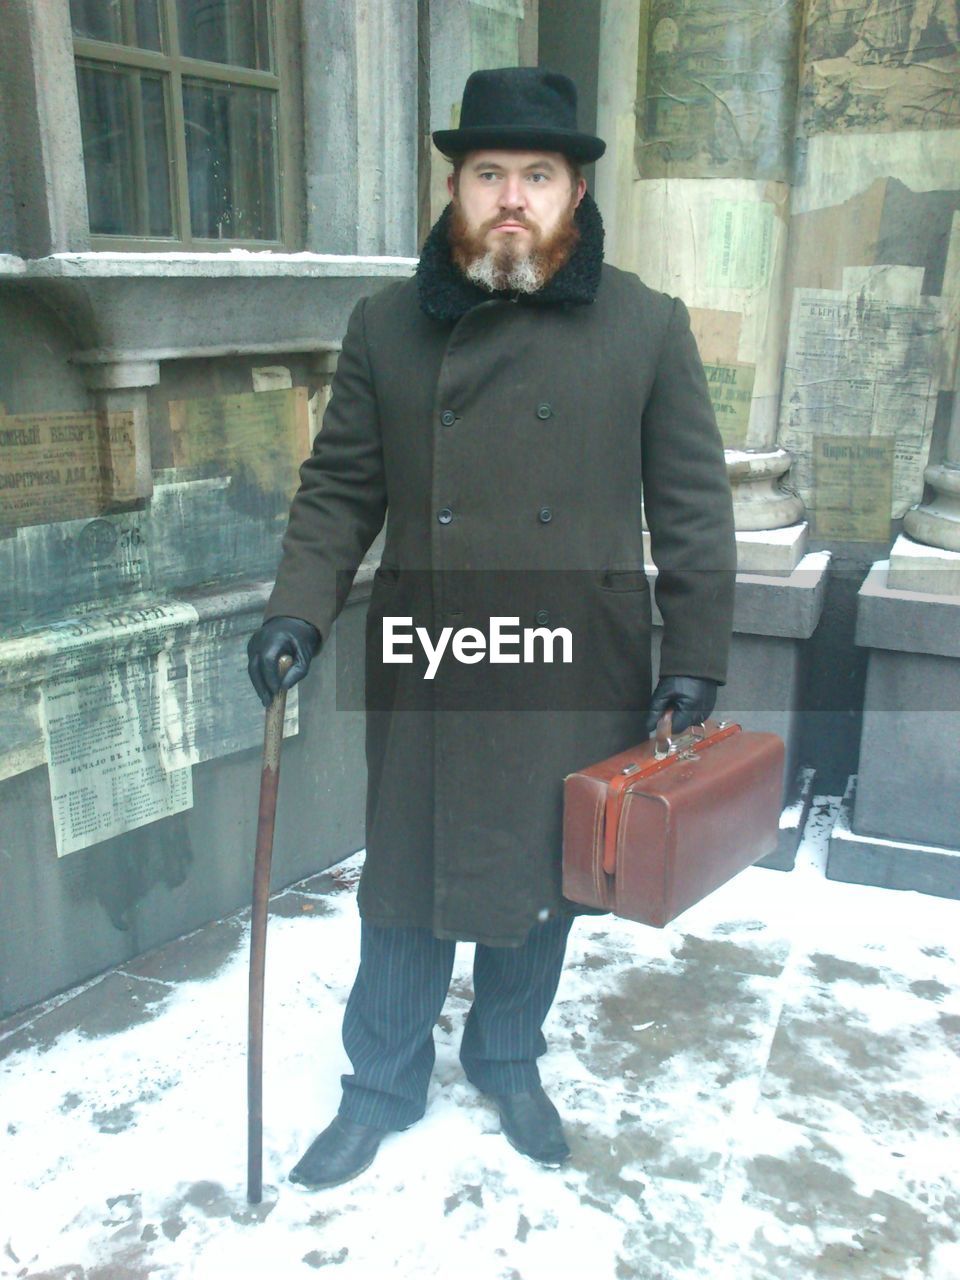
544 411
542 617
448 417
544 515
444 515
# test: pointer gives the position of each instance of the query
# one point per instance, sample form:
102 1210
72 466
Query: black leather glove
265 647
692 699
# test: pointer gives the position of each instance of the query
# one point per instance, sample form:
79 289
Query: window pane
234 31
133 22
123 123
231 160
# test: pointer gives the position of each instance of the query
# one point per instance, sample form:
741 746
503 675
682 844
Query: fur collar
446 294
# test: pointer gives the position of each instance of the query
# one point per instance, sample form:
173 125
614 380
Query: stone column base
889 864
937 522
915 566
759 499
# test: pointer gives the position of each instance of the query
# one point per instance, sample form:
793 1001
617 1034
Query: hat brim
583 147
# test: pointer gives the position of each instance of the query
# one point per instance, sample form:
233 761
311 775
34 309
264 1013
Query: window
187 123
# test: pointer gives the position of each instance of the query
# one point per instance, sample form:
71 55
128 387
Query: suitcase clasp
682 745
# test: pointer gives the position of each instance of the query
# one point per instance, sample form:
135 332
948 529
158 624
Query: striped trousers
397 998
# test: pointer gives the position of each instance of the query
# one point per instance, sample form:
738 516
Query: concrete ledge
324 352
128 304
915 566
776 552
767 605
906 621
136 628
889 864
772 551
262 264
790 606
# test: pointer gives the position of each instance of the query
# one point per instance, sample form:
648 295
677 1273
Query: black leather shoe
342 1151
531 1123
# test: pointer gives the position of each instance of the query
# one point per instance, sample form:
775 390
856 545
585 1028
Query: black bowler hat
520 109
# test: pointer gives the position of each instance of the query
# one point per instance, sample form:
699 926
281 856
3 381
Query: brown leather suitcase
649 832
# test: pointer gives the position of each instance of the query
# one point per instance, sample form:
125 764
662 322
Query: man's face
515 197
513 217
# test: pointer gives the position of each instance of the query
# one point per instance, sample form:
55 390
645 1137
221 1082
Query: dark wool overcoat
509 440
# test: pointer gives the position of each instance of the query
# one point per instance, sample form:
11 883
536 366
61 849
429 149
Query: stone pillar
121 386
617 125
899 824
711 168
42 119
360 126
874 264
936 522
696 103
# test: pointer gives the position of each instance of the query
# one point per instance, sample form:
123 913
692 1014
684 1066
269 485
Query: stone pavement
768 1088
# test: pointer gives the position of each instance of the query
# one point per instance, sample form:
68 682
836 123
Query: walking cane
269 778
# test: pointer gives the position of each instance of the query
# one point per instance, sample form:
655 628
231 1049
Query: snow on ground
767 1088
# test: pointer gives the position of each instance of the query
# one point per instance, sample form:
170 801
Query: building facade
192 197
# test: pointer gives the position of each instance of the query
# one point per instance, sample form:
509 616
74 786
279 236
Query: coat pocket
624 580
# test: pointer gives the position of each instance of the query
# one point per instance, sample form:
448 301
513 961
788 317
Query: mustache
520 218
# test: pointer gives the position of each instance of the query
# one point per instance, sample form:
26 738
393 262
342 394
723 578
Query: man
506 405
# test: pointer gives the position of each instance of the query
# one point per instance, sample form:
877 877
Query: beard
507 266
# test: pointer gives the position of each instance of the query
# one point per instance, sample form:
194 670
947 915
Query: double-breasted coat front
508 441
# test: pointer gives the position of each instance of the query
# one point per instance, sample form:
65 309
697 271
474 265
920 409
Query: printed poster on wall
740 250
206 705
63 466
731 394
102 739
879 67
717 88
862 365
854 487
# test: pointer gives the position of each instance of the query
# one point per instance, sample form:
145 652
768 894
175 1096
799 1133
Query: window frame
173 67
